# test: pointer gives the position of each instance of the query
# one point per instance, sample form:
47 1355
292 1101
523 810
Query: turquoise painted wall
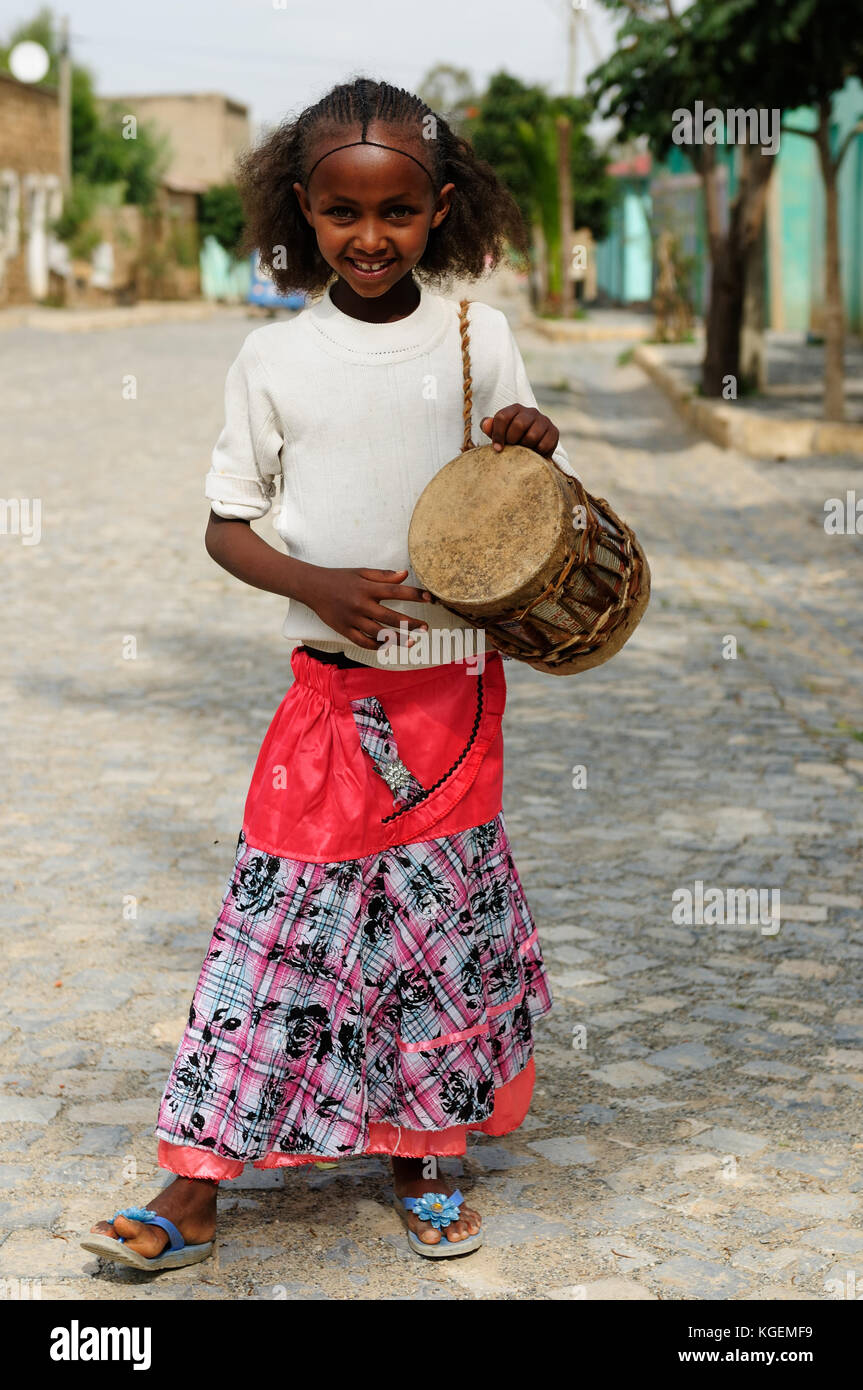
801 200
621 265
801 212
637 245
623 258
222 277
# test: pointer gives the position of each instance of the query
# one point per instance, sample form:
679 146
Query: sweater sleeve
246 460
513 386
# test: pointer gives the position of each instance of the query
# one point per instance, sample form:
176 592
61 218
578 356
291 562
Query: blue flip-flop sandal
176 1254
440 1210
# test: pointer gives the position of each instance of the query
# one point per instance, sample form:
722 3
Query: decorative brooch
397 776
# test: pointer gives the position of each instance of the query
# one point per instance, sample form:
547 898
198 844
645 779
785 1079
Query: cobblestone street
696 1131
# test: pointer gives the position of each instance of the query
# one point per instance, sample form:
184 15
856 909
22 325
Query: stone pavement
696 1129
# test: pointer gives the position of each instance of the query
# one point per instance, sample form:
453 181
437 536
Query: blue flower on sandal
134 1214
437 1208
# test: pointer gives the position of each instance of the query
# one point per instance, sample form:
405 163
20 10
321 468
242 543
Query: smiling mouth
370 269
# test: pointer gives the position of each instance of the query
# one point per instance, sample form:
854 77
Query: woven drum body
515 546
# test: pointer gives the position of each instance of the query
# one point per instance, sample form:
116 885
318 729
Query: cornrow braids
483 220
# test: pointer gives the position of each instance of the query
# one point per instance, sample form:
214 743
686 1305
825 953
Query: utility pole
564 185
564 170
65 102
572 49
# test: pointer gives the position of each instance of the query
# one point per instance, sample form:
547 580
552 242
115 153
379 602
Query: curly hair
483 220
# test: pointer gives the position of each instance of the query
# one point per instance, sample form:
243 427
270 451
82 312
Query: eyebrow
391 198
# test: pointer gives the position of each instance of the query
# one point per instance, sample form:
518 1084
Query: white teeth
365 265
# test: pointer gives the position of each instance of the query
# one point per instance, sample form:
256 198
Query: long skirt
374 972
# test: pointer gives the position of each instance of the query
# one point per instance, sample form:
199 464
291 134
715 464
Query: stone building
30 188
206 130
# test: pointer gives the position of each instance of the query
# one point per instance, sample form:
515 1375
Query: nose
369 236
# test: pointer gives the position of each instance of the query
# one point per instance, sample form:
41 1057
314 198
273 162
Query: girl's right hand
349 601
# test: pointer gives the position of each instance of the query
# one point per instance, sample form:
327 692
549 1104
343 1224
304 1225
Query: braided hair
483 219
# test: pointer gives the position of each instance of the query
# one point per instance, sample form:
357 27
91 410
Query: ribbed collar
406 337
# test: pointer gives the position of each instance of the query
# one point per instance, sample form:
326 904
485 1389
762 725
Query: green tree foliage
112 155
101 154
496 134
515 130
221 215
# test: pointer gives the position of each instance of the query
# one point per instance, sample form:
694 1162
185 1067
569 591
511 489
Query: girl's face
371 210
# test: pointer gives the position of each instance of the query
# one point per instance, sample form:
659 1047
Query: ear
303 200
442 206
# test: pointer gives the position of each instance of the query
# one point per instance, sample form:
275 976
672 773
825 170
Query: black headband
380 146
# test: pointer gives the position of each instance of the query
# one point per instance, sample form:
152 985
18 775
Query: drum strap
467 442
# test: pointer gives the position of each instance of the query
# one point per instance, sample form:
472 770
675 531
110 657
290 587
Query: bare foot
409 1182
189 1202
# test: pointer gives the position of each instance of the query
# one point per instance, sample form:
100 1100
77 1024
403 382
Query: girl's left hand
521 424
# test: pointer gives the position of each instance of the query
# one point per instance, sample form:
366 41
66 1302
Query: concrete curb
583 331
96 320
732 426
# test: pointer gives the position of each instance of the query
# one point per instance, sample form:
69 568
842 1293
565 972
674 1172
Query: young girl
374 973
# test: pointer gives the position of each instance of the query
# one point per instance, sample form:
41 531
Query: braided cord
467 442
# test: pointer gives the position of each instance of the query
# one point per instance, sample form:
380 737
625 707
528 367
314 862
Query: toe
103 1228
467 1225
459 1230
473 1219
427 1234
146 1240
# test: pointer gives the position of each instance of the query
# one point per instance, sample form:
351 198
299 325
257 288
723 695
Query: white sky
278 60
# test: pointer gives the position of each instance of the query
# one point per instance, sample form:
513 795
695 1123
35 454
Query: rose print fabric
399 988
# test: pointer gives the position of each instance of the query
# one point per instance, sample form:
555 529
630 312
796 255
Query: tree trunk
724 320
753 346
729 254
834 316
539 270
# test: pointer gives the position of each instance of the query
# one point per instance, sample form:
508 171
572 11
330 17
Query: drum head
489 529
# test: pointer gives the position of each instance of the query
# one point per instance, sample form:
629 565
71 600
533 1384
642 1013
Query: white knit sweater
355 418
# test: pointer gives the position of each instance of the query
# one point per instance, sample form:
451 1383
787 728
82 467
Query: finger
502 425
549 442
361 638
519 426
496 426
403 591
388 617
535 433
383 576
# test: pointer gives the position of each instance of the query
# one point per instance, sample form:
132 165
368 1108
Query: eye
339 212
401 211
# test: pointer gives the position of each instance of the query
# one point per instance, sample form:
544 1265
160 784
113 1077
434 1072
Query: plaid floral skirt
351 1003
